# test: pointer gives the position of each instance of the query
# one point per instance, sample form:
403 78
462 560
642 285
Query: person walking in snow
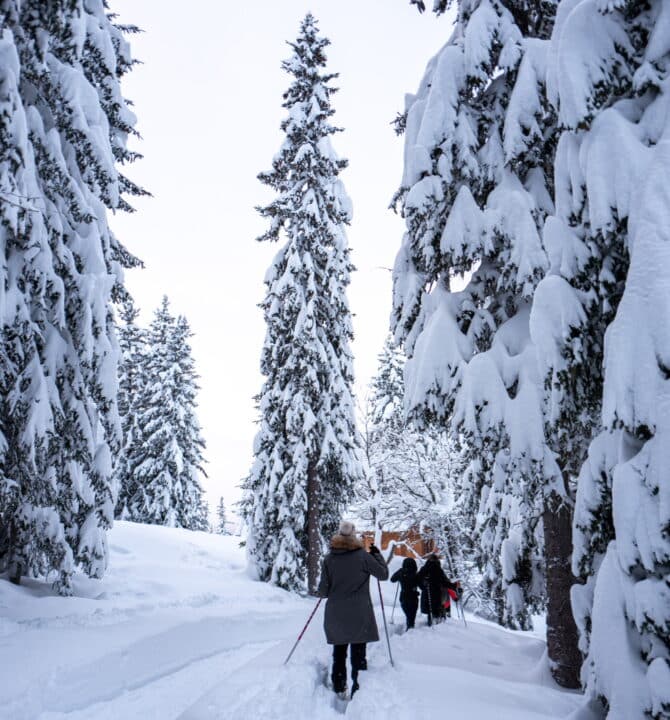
349 619
433 582
409 595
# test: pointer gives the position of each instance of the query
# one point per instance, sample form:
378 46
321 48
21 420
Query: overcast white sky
208 101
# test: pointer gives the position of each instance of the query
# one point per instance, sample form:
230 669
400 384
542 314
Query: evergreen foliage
132 343
476 189
166 458
63 130
601 321
221 519
306 451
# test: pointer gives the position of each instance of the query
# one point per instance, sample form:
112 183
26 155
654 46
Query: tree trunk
564 656
15 573
14 565
313 534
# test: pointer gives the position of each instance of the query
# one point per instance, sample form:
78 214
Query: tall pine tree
63 130
132 379
601 320
477 187
167 458
306 451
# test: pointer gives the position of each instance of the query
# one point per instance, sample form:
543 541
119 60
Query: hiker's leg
358 662
406 606
412 607
339 674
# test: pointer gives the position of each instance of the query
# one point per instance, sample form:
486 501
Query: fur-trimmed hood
345 543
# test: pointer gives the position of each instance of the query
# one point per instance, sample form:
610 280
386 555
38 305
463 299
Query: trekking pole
309 620
430 606
386 630
459 605
394 601
462 614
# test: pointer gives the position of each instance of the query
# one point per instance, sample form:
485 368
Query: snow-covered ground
177 630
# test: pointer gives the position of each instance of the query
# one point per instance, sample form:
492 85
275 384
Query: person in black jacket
409 595
433 582
349 619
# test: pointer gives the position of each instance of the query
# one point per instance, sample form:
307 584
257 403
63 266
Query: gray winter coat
345 581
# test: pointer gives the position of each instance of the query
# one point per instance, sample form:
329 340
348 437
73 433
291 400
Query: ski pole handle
309 620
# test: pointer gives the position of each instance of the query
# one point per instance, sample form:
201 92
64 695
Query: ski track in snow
175 690
177 630
478 671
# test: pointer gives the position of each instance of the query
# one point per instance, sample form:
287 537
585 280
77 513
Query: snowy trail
167 695
132 674
174 615
177 630
476 671
76 689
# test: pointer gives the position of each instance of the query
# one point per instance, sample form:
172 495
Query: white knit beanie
347 528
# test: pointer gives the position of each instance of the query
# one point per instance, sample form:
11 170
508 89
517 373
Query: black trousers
410 604
358 662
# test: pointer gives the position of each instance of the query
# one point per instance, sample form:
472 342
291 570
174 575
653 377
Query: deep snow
178 630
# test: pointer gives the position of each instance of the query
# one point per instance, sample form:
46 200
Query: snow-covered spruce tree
306 451
167 458
601 320
132 379
221 519
388 389
477 186
63 130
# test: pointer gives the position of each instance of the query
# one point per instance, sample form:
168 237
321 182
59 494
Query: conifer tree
167 458
63 130
601 321
221 518
132 379
383 422
306 451
477 187
388 389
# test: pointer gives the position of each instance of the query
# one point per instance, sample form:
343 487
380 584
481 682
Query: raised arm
375 564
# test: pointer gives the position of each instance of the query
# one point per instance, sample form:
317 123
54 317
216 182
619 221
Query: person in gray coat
349 619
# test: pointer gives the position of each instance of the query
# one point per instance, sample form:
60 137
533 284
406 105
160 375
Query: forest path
178 630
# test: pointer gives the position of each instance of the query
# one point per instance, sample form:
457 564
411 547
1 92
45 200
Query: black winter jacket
345 581
408 579
433 582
